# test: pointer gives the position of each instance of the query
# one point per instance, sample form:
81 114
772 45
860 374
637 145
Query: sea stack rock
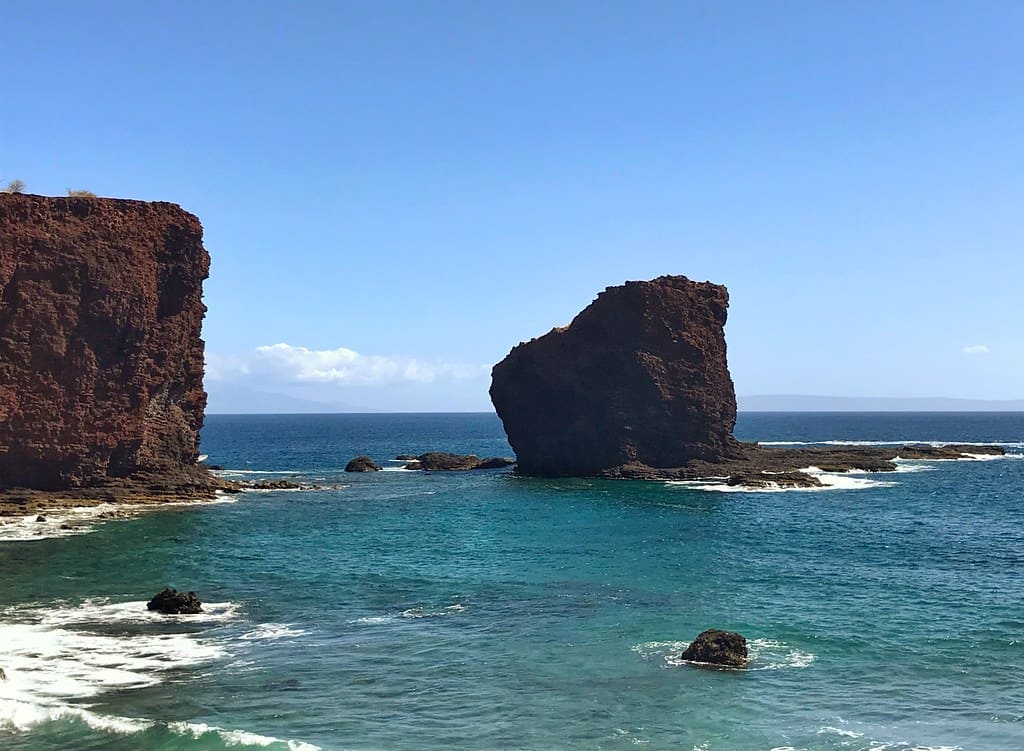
716 647
639 378
101 360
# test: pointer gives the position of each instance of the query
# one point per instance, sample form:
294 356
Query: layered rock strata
101 360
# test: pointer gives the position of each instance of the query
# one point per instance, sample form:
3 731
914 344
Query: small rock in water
173 602
717 647
3 675
66 526
405 458
362 464
40 518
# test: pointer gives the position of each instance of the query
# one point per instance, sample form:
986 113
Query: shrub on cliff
15 186
81 193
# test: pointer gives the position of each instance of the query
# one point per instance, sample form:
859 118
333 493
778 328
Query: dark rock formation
101 360
362 464
776 467
434 461
274 485
405 458
173 602
638 387
638 377
715 647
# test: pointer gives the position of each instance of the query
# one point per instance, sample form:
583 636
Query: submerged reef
638 386
101 360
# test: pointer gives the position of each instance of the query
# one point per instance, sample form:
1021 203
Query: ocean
482 611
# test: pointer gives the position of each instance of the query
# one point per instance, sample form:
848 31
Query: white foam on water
83 519
270 631
421 613
765 654
51 657
236 737
256 472
912 465
374 620
398 469
853 480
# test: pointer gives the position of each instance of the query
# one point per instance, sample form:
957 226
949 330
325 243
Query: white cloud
976 349
286 363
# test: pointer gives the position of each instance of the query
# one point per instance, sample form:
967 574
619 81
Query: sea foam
58 656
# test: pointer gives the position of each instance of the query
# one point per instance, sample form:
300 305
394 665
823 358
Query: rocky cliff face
101 360
638 378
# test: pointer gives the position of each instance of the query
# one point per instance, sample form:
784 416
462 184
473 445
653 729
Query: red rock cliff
638 377
101 360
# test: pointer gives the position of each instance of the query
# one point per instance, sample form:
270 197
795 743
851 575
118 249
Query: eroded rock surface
101 360
638 377
717 647
172 602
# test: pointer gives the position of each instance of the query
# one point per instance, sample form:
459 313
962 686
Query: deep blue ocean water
480 610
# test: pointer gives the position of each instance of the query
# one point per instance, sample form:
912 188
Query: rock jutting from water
717 647
101 360
638 377
362 464
172 602
638 386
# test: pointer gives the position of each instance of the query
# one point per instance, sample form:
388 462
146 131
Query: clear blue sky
428 183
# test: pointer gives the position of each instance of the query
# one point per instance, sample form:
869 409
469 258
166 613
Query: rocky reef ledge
637 386
768 466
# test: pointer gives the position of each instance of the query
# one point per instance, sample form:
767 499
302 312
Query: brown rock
639 376
101 360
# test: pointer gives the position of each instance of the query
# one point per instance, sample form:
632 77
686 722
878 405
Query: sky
396 193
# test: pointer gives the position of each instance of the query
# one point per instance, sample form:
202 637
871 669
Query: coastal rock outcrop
362 464
440 461
638 387
638 377
101 360
716 647
172 602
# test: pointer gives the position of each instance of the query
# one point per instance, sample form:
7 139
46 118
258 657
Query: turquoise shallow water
484 611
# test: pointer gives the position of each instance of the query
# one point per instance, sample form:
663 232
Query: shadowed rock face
638 377
101 360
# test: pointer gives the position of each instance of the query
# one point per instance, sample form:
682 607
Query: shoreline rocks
770 466
440 461
172 602
717 647
637 387
362 464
